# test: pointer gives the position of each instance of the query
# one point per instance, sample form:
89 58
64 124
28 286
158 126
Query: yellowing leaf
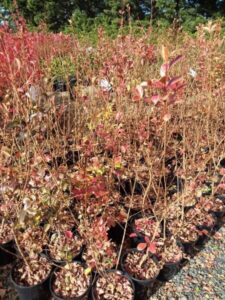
87 271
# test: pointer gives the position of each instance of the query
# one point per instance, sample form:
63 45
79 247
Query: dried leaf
165 53
167 117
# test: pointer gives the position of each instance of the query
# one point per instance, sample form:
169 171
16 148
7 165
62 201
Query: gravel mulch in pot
113 285
70 281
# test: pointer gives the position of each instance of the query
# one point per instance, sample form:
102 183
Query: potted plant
142 267
31 240
64 247
201 219
185 232
212 205
30 278
170 253
70 282
62 220
113 284
145 226
100 252
100 256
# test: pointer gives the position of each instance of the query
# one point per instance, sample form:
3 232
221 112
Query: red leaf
147 239
203 232
164 69
222 172
155 99
152 248
221 186
69 234
141 246
175 82
132 235
138 93
78 193
158 84
175 60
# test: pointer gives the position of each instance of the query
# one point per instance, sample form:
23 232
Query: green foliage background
83 17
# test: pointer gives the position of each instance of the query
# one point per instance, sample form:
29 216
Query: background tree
57 13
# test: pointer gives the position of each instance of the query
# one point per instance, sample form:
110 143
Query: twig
21 252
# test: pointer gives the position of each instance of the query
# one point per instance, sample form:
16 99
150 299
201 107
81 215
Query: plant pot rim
71 298
221 197
120 272
25 287
168 264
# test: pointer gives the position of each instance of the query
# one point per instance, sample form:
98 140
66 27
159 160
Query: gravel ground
202 277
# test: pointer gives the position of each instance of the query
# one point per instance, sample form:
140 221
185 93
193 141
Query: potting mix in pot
112 159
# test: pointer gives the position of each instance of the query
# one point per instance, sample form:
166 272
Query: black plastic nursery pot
138 282
220 197
168 271
171 268
210 227
219 214
84 296
7 253
59 85
94 295
116 233
36 292
222 162
188 247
